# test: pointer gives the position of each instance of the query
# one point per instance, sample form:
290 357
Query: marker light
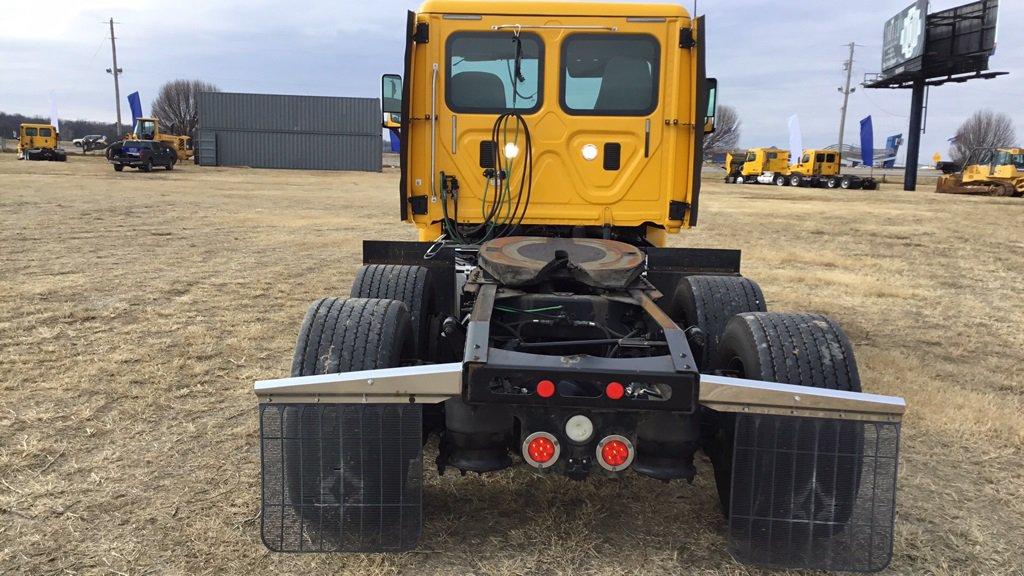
541 449
545 388
614 453
589 152
579 428
511 150
614 391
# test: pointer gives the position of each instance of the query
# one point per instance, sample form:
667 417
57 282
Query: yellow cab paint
568 189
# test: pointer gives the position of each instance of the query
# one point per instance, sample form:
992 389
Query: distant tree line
982 130
69 129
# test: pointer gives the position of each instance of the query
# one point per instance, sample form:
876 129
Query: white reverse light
511 150
579 428
589 152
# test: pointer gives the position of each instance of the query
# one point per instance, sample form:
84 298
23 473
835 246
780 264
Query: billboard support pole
914 137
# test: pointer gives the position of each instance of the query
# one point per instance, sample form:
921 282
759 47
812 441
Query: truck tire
870 184
147 167
170 165
708 302
410 285
846 183
832 182
801 349
796 180
347 334
780 180
118 167
344 335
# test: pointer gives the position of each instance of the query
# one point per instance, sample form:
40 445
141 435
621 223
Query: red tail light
615 453
614 391
545 388
541 449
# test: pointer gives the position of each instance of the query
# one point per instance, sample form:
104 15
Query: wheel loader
986 172
40 142
148 129
549 150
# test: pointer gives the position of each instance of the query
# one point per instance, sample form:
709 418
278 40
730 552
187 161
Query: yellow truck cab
821 168
601 117
758 165
39 142
547 149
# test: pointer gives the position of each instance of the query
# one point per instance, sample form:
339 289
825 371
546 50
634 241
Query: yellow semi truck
814 168
40 142
548 150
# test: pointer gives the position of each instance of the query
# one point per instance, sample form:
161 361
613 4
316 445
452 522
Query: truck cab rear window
481 75
610 75
31 132
45 132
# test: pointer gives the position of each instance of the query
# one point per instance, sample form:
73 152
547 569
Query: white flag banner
796 144
53 113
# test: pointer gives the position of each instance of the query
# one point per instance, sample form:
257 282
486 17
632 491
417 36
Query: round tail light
541 449
614 391
545 388
615 453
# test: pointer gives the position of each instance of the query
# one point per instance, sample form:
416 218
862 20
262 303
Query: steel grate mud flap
341 477
813 493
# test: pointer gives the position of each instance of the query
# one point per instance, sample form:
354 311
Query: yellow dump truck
40 142
987 172
548 150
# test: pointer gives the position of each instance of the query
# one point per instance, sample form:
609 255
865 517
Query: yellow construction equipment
547 149
987 172
149 129
40 142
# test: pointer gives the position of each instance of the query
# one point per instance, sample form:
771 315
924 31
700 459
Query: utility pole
846 98
115 71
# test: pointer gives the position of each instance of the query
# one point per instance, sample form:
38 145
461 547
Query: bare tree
984 129
727 131
177 105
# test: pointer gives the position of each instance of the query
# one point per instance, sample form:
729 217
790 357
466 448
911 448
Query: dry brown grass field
137 309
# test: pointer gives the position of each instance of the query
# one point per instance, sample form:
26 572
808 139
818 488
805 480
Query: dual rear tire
740 338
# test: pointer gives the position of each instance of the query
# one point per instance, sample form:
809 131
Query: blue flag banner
867 142
136 105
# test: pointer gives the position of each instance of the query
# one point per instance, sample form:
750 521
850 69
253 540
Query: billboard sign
904 38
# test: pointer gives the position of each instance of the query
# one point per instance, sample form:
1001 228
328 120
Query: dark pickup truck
141 154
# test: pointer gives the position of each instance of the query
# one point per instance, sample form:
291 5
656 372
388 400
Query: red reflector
545 388
615 453
614 390
541 449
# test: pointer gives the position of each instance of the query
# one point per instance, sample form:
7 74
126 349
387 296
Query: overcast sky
773 58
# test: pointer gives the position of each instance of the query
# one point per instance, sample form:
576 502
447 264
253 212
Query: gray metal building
277 131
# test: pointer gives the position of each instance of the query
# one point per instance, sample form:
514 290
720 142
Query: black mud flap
341 477
813 493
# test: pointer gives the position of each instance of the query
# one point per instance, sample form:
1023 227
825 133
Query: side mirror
709 119
391 94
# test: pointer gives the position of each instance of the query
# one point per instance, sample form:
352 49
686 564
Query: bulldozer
549 150
985 172
149 129
40 142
